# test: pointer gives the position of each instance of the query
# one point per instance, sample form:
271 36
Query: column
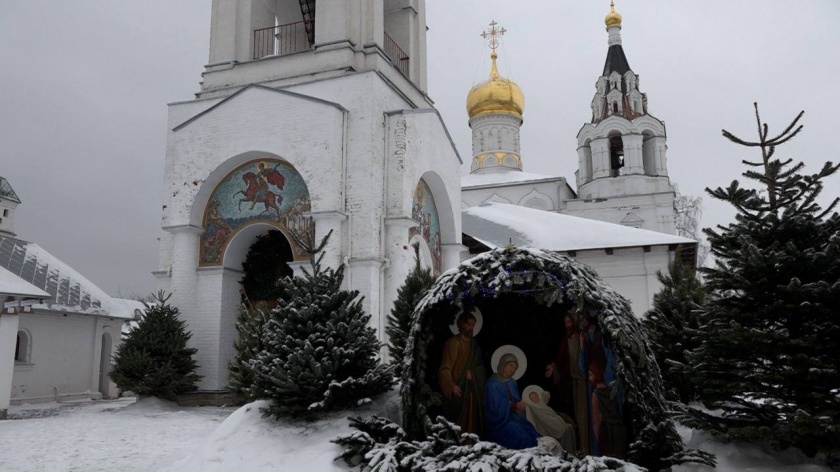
326 221
633 163
600 158
451 255
8 341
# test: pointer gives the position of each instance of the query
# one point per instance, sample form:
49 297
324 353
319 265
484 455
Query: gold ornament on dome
497 95
613 18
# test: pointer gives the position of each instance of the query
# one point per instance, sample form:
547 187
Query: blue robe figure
505 425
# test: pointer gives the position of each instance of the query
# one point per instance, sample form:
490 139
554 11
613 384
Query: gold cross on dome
493 34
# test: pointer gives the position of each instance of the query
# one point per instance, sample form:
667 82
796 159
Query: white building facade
58 331
308 120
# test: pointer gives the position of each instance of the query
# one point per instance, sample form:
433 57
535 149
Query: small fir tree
770 344
319 352
416 285
671 326
154 359
249 328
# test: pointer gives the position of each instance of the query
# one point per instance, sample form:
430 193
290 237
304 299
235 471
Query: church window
22 347
6 212
616 156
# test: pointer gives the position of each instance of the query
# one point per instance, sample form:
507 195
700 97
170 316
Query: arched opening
22 347
282 26
648 153
266 263
424 210
260 194
105 365
425 253
616 156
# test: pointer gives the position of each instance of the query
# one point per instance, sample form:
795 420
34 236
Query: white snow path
103 435
155 435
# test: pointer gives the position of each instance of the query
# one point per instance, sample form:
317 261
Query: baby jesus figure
545 420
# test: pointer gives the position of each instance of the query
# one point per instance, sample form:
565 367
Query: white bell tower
288 41
622 172
313 119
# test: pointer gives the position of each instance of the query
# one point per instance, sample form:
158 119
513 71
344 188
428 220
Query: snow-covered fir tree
770 352
416 285
250 323
319 352
671 326
154 359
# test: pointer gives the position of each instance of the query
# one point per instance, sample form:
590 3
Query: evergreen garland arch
541 280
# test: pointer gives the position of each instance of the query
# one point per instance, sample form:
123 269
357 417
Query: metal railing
398 57
284 39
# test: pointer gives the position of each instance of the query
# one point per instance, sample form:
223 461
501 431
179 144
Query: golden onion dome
495 96
613 18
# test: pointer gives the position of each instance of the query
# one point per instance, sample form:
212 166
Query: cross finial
493 34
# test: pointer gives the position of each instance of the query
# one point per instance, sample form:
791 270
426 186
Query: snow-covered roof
68 290
11 284
505 178
501 224
6 191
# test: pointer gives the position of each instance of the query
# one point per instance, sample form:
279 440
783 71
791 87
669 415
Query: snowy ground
103 435
158 436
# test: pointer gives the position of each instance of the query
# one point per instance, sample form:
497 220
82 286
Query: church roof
68 290
616 61
6 191
12 285
504 178
501 224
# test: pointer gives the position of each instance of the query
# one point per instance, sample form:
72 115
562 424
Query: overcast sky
84 86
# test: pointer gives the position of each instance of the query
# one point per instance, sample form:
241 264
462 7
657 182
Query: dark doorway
266 263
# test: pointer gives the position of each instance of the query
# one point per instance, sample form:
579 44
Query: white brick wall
347 158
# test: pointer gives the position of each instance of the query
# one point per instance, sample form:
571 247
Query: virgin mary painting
505 410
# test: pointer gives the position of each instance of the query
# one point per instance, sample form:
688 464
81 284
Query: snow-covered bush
153 359
380 445
318 351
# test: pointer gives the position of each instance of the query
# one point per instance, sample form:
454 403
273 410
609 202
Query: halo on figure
520 357
479 321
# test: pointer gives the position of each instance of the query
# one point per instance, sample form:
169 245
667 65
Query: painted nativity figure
569 381
607 423
545 420
462 377
505 410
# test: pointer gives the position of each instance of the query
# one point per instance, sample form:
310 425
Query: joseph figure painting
462 377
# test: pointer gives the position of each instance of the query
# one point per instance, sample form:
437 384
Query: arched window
616 156
22 347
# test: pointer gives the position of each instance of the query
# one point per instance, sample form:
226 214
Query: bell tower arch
263 41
